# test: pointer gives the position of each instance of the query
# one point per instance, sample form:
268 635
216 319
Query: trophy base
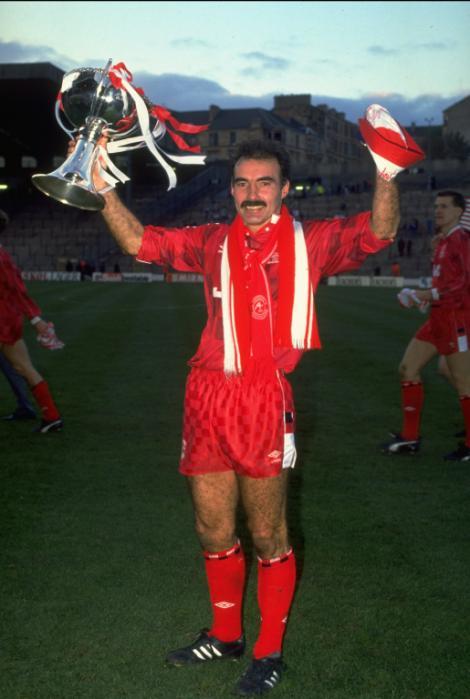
68 193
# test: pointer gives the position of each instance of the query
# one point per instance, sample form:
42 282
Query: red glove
390 145
49 339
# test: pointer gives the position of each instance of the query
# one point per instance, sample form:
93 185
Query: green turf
100 569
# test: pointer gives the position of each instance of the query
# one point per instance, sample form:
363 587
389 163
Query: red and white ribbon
121 78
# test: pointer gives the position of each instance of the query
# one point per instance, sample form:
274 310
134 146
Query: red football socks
412 399
276 584
226 578
44 400
465 406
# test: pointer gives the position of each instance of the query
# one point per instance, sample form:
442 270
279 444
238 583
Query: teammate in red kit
260 276
446 332
15 304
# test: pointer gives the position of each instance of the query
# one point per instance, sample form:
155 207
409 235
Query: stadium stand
44 234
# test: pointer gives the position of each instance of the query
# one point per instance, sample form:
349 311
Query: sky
411 57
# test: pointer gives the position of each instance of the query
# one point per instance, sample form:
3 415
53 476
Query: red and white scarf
243 281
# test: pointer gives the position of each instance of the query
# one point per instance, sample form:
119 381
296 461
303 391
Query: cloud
181 92
408 48
264 62
431 46
187 93
189 42
16 52
382 51
406 110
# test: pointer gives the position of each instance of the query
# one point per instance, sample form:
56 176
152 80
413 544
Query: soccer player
446 332
260 276
15 304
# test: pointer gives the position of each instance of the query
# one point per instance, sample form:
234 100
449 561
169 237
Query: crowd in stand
61 237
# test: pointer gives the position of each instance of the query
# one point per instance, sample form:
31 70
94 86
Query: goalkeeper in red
446 332
15 305
260 277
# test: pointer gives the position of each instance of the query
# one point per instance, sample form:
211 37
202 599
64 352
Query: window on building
213 139
233 137
27 161
277 136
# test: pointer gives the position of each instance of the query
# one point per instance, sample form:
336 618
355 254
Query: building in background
322 143
457 119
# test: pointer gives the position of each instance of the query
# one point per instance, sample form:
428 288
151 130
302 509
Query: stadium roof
26 71
239 118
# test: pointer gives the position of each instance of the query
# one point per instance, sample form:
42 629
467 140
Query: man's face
257 191
446 214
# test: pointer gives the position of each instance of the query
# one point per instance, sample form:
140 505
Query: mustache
253 202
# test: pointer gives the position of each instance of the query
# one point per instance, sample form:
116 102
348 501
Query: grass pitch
100 570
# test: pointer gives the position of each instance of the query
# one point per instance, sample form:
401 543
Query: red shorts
448 330
232 424
11 328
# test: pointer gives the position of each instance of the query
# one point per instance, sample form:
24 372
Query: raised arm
392 150
126 229
385 209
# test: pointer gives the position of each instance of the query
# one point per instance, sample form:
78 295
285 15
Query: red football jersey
333 246
451 270
14 300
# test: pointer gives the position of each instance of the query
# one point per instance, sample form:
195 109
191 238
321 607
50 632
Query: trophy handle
72 182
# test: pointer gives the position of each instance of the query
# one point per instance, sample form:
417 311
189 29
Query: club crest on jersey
274 259
259 307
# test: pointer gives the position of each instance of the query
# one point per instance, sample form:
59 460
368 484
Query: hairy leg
215 497
264 501
417 355
459 368
443 370
19 358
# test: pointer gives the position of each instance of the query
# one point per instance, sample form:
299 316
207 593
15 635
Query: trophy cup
104 100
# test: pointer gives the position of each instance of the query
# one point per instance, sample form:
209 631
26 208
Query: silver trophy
95 100
92 104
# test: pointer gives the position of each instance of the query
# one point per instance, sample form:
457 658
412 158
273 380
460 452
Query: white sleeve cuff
435 295
35 320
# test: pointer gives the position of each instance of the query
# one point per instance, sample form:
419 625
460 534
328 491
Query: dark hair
264 150
457 198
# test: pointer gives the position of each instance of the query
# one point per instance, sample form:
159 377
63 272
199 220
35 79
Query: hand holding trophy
109 115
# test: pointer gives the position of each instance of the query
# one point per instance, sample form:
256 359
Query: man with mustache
446 332
260 276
